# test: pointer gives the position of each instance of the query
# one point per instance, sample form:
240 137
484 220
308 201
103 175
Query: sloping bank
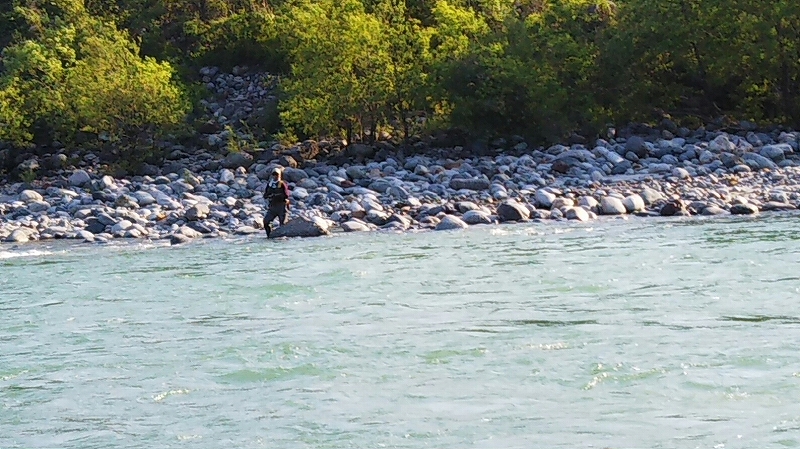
700 173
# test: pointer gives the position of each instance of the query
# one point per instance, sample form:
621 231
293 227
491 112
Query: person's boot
268 229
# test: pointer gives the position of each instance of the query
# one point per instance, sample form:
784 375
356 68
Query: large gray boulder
776 153
237 159
577 213
758 162
610 205
474 217
650 196
294 174
637 146
197 212
355 226
469 184
79 178
302 227
512 211
18 236
450 222
744 209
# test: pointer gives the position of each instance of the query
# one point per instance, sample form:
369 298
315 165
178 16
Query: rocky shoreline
214 189
417 192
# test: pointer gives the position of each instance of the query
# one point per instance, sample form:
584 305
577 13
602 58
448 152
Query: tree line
123 73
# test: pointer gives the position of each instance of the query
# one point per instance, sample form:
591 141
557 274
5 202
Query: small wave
28 253
161 396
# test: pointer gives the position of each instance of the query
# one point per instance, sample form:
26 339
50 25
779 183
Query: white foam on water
28 253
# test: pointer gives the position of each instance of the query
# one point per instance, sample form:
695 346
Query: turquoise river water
635 334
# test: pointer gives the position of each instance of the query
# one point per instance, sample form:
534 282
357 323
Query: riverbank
709 174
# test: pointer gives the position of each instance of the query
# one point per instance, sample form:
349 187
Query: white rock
612 206
450 222
681 173
544 198
30 195
354 226
577 213
121 227
633 203
226 176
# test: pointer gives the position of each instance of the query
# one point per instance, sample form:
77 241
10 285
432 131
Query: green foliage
339 80
531 76
78 74
242 38
706 57
357 68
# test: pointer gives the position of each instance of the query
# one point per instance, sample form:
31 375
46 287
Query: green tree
77 73
340 78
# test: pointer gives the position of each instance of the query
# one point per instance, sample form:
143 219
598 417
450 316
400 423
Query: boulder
610 205
777 206
30 195
776 153
577 213
758 162
294 175
178 239
633 203
562 203
681 173
126 201
721 144
18 236
38 206
84 235
714 210
237 159
143 198
121 227
355 226
450 222
474 217
302 227
469 184
588 202
650 196
79 178
360 151
544 198
512 211
189 232
637 146
672 208
197 212
744 209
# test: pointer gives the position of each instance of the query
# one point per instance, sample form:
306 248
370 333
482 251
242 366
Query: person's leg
282 215
268 221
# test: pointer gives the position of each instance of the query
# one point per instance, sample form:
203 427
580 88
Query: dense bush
78 75
361 68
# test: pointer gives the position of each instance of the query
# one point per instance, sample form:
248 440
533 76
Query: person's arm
286 192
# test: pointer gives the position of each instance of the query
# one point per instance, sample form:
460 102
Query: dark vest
277 195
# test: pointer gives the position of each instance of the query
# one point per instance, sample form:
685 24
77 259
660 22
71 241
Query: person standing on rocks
277 196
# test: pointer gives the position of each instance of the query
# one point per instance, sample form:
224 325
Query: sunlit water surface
643 333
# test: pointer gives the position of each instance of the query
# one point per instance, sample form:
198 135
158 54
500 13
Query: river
637 333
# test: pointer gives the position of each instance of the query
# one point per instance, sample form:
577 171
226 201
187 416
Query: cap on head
277 171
